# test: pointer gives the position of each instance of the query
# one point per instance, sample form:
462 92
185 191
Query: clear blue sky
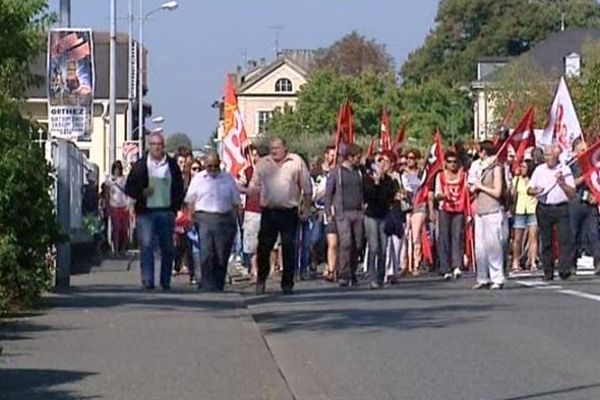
192 48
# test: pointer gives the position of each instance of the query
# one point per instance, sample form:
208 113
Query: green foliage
466 30
586 92
525 84
28 227
426 107
177 140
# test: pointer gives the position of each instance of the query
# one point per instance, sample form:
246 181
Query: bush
28 225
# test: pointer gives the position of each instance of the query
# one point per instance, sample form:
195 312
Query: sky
192 48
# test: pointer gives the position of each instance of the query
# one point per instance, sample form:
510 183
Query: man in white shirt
553 184
214 197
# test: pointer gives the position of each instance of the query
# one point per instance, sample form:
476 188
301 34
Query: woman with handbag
379 190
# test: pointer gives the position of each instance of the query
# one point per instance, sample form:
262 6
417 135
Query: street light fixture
160 129
158 120
168 6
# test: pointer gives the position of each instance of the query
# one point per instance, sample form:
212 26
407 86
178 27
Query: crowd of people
374 218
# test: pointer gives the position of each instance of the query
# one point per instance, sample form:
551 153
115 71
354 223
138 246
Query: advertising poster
70 83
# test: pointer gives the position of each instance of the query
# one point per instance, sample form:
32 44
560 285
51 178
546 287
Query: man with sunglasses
156 185
214 198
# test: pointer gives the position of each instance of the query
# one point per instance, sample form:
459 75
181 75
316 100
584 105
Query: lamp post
169 6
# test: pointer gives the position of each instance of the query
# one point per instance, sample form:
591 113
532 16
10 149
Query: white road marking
541 285
583 295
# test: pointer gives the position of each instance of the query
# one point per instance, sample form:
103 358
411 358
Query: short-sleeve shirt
545 177
218 194
526 204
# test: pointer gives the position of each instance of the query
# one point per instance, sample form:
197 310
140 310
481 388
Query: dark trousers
350 230
451 237
275 222
549 217
585 229
216 233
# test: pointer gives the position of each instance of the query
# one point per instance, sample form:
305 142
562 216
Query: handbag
405 203
393 223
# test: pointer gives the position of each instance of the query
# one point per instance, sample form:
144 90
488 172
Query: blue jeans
159 225
307 238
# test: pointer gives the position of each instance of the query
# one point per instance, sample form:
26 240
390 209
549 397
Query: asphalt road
427 339
422 339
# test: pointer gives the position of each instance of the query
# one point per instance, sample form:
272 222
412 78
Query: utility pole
131 73
112 90
277 30
141 130
65 13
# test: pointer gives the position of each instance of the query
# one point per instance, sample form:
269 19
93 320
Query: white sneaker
447 277
457 273
496 286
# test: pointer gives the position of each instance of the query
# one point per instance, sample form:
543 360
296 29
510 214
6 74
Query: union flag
385 131
344 134
235 140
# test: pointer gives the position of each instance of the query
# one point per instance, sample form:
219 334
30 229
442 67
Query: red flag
400 137
235 140
590 167
427 248
372 148
521 138
345 131
505 123
385 131
435 163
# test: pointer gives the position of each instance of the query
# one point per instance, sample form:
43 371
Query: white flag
563 125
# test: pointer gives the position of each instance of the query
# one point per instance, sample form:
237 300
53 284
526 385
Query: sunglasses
195 169
411 158
155 144
451 161
211 166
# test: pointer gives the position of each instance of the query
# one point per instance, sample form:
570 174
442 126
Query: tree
28 225
523 84
586 92
466 30
353 55
427 106
176 141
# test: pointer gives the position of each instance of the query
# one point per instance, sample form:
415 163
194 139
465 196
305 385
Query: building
96 150
560 54
264 87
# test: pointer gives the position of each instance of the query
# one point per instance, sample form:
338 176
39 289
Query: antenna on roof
562 21
277 30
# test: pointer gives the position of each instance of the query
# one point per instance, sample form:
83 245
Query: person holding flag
583 211
451 194
553 185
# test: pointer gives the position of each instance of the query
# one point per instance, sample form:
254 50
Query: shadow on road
109 296
333 309
547 394
34 384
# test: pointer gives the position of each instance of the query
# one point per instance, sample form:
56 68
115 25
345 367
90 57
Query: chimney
573 65
251 64
263 61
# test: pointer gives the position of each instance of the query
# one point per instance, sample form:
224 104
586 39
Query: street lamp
160 129
158 120
168 6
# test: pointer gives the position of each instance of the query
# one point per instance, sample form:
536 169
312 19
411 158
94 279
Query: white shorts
251 227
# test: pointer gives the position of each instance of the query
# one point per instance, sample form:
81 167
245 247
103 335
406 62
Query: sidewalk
107 339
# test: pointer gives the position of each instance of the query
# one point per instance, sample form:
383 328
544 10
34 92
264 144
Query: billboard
71 82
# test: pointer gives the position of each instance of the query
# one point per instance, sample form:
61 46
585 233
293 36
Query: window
283 85
263 120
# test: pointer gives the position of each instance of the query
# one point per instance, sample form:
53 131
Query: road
422 339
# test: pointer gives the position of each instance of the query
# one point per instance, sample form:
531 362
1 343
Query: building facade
265 87
560 54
